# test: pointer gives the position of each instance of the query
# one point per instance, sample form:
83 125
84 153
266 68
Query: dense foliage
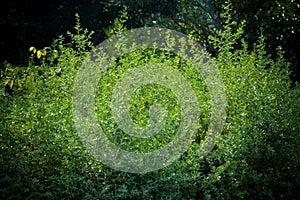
279 21
256 157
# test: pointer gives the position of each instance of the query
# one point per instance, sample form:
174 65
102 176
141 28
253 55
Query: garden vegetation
256 156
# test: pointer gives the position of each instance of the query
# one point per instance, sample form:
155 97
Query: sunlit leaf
11 83
51 71
20 83
32 49
44 52
39 54
55 53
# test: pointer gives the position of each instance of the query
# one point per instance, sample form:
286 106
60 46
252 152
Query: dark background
37 23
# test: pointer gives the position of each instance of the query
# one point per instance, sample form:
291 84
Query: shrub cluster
256 157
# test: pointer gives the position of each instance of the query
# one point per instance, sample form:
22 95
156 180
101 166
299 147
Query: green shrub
256 156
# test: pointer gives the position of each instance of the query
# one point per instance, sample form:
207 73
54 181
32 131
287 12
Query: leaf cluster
256 157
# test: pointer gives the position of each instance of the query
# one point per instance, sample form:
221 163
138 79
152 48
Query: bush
256 156
260 143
